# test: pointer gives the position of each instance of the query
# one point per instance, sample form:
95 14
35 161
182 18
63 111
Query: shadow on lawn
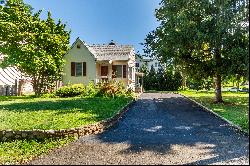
64 105
160 124
58 113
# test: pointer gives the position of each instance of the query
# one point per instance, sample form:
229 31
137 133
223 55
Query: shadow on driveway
157 122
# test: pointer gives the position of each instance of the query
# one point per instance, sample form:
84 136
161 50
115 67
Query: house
148 62
13 82
85 63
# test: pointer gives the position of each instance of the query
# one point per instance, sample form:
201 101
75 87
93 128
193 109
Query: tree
160 79
36 47
206 37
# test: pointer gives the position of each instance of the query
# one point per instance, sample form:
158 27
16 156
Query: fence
8 90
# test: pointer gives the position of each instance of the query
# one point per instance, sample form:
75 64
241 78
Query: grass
27 112
20 151
235 107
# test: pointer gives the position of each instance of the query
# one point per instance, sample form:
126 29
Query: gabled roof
110 51
8 75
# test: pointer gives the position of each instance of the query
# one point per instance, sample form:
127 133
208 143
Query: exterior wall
79 55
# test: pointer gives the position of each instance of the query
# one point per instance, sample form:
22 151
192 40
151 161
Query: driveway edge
231 124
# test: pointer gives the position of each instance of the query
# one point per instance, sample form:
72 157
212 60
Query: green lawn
25 113
235 108
56 113
20 151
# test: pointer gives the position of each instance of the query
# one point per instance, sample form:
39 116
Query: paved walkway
158 129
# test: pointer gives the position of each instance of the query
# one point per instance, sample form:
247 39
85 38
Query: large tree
209 38
35 46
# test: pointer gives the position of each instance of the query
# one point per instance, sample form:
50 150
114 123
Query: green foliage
71 90
92 90
206 38
113 88
49 95
34 46
199 84
162 80
103 89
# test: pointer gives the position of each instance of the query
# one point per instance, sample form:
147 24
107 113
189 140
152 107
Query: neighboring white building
9 81
148 62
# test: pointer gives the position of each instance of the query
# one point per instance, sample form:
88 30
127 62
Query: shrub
112 89
71 90
48 95
92 90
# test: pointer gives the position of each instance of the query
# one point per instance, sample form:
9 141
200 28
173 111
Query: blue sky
100 21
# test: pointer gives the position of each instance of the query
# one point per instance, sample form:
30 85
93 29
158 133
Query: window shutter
84 69
124 71
113 71
73 69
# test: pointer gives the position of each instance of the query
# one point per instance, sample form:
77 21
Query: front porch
116 70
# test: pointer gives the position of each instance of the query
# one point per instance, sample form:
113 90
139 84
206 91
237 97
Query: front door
104 73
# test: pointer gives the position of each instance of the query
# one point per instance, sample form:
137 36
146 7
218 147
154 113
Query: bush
91 90
48 95
112 89
71 90
102 89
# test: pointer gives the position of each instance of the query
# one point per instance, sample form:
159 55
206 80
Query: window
78 69
78 46
117 71
156 64
137 64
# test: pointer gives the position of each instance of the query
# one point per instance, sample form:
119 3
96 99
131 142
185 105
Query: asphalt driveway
158 129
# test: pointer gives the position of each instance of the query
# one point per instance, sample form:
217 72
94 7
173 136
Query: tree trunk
218 94
218 61
238 82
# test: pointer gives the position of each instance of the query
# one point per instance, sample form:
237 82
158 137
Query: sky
100 21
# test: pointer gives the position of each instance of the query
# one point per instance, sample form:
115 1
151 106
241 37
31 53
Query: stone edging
6 135
238 128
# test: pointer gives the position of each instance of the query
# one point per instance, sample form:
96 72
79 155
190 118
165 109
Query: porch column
142 83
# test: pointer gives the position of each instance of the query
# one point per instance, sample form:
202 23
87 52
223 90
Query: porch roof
111 52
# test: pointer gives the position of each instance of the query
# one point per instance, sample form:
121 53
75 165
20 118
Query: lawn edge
117 117
94 128
231 124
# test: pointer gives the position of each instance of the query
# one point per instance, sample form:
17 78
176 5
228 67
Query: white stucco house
100 62
148 62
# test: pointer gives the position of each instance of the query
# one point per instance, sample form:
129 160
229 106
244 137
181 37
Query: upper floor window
78 45
137 64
